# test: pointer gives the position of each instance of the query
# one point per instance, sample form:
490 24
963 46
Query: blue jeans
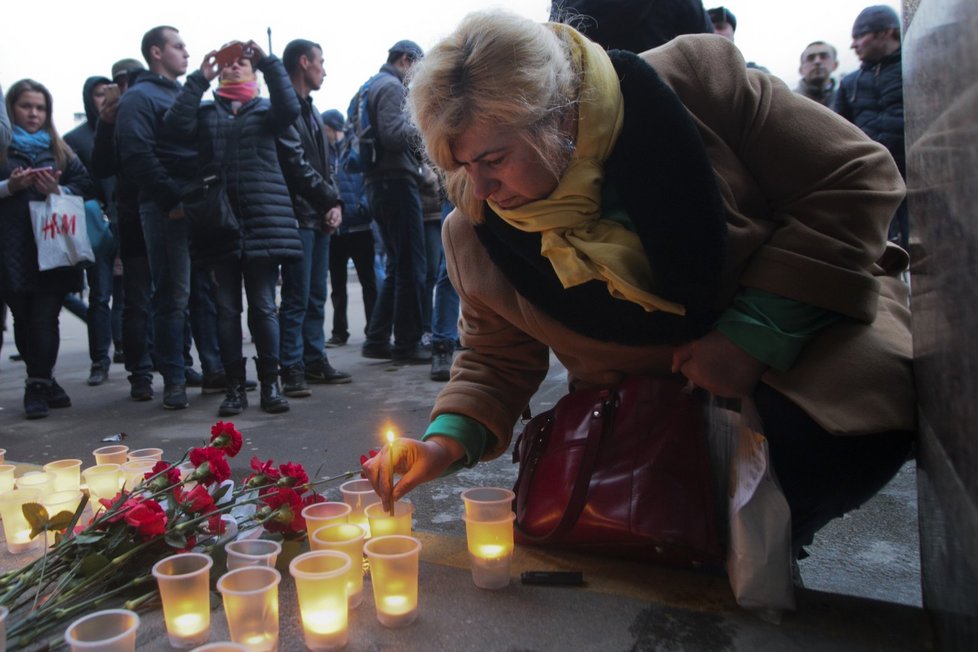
203 324
396 206
303 311
99 315
168 250
137 316
444 322
260 278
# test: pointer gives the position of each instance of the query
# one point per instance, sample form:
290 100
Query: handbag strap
602 418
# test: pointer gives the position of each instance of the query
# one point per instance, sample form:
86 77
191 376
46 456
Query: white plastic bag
61 232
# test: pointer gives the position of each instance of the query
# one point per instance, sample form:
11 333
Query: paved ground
869 554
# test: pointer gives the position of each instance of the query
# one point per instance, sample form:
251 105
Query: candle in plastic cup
251 606
103 482
382 524
347 538
394 576
66 474
43 482
487 503
320 584
115 454
358 494
252 552
60 501
490 551
221 646
184 581
16 529
319 515
113 630
155 454
7 477
134 471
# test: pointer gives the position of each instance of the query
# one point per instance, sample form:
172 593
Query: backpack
362 150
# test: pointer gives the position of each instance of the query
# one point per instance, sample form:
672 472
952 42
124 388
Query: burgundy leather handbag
621 470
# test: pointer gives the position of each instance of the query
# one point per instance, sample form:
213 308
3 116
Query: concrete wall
941 99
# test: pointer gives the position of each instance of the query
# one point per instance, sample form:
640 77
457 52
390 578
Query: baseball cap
410 48
722 15
333 119
123 66
875 19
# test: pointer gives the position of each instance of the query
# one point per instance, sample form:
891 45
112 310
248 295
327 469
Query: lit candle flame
390 437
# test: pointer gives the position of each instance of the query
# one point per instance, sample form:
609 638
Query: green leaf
176 540
89 537
92 564
221 492
60 521
37 516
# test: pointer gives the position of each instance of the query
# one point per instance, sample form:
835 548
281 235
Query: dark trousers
823 476
358 246
396 206
37 331
260 277
137 315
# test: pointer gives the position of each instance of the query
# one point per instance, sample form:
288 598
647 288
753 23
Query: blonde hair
496 69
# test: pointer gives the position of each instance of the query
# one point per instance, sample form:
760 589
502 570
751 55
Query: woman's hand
719 366
415 461
19 179
332 219
254 52
209 67
46 181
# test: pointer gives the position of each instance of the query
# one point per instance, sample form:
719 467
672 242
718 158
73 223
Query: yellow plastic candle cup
490 551
487 503
320 584
394 576
103 482
319 515
251 606
382 524
60 501
115 454
7 477
358 494
66 474
221 646
155 454
43 482
252 552
16 529
112 630
346 538
184 581
135 470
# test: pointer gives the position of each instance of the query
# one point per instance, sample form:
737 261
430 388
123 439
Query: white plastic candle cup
66 474
319 515
382 524
221 646
16 529
490 551
113 630
155 454
115 454
60 501
7 477
250 597
103 482
358 494
487 503
347 538
320 584
184 581
394 576
252 552
43 482
134 471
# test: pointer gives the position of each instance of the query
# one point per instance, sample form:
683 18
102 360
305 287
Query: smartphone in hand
229 54
112 92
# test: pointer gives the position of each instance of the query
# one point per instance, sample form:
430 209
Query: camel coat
806 200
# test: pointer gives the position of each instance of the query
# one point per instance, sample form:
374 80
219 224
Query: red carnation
164 476
216 525
285 508
126 505
211 465
198 501
225 436
148 518
294 476
363 459
264 474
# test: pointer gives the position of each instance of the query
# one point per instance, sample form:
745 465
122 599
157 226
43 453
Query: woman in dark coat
236 134
36 164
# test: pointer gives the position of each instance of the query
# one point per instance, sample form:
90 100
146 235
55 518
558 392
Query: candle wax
324 621
188 625
490 551
395 604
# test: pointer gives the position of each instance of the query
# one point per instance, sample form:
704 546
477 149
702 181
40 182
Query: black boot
236 400
441 360
272 400
36 398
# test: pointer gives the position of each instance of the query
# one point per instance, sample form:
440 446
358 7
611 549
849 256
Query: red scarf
238 91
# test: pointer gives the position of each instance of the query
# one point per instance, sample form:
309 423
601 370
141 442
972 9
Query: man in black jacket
872 97
315 198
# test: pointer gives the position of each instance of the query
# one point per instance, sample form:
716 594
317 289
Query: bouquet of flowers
108 560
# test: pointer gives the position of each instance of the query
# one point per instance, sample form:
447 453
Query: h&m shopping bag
61 232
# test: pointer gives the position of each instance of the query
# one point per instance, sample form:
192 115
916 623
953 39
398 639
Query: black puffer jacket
245 142
872 99
18 253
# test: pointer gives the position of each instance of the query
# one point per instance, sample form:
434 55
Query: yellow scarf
578 242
